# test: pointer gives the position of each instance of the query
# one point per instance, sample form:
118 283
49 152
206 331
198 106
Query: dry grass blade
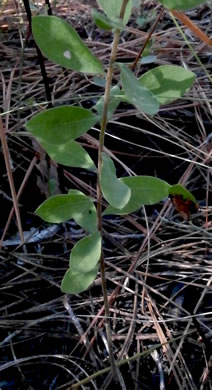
10 177
158 267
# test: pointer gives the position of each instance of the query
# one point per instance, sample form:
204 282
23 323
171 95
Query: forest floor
158 266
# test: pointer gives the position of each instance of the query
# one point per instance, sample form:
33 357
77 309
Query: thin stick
39 54
147 40
28 173
10 178
126 361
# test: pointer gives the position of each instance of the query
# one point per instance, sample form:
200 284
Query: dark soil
41 329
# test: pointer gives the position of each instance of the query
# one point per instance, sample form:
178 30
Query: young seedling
58 128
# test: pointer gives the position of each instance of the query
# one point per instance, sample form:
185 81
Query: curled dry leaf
185 207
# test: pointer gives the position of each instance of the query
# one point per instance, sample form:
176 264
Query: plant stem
99 193
39 54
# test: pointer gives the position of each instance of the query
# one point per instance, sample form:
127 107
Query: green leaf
100 82
112 9
61 44
181 4
59 125
137 94
147 50
101 20
71 154
77 282
86 253
105 23
115 192
76 205
177 189
149 59
167 82
145 190
77 192
113 103
142 21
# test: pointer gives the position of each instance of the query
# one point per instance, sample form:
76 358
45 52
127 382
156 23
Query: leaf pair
128 194
112 10
56 130
85 255
75 204
84 265
160 85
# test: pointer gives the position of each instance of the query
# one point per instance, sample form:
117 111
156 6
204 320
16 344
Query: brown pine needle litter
158 266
